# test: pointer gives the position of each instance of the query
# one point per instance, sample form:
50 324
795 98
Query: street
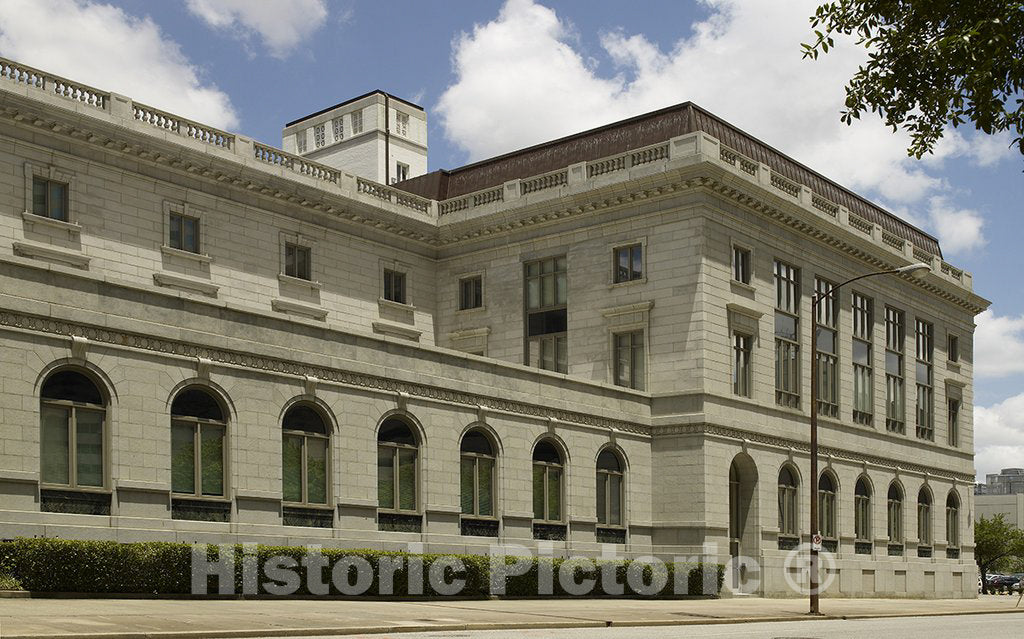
991 625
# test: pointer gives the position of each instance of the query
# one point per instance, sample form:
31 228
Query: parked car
1005 582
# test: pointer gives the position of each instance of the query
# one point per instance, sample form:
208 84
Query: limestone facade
104 293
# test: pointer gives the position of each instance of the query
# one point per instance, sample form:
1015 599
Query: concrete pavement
22 618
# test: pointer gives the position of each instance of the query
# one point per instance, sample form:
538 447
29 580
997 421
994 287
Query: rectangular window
826 349
925 393
357 122
741 348
338 126
298 261
953 418
629 359
863 373
183 232
629 263
401 123
741 267
953 348
394 286
895 330
319 136
787 335
401 172
50 199
300 141
546 293
471 292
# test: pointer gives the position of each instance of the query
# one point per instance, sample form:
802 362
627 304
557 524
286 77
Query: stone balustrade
188 128
54 84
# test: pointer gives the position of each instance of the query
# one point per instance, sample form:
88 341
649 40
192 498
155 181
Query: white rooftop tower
355 137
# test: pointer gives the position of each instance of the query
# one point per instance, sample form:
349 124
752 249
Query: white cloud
102 46
959 230
282 24
999 436
521 80
998 345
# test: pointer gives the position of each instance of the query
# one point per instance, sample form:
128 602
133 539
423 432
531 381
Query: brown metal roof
644 130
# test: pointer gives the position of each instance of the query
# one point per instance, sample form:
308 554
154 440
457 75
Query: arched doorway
742 515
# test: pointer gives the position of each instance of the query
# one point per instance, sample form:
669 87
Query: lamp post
911 269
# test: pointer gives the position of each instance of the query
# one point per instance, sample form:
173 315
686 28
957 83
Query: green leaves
931 64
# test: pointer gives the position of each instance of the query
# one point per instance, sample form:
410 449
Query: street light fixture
911 269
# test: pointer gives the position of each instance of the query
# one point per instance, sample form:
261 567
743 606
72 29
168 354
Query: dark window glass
297 261
73 387
546 452
547 322
394 286
396 431
194 402
476 442
471 292
50 199
184 232
305 418
629 263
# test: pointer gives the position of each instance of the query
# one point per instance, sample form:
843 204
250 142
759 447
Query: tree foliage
931 63
996 542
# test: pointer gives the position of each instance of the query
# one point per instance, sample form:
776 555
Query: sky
496 76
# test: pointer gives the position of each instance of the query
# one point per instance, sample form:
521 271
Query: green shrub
60 565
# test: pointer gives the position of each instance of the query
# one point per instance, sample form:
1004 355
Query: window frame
401 171
356 121
828 504
401 123
338 128
50 173
72 407
953 407
742 386
476 457
392 280
304 468
395 449
48 184
895 383
894 515
789 503
462 279
952 348
637 375
925 529
737 249
632 277
827 320
546 488
551 341
862 511
197 424
862 333
924 414
299 250
604 475
953 517
788 387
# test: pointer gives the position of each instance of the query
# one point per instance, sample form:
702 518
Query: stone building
603 339
1008 481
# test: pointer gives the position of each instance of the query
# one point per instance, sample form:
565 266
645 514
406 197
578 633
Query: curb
544 625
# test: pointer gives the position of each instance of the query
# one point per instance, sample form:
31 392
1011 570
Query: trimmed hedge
61 565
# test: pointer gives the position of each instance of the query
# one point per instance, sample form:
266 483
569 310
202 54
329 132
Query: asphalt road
997 625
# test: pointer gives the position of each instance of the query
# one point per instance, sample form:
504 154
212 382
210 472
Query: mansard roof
645 130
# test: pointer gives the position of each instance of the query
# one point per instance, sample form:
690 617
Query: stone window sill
383 303
189 255
288 306
53 254
298 281
189 284
72 228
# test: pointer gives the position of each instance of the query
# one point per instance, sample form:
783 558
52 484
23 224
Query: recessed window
72 415
197 444
305 454
826 347
787 501
741 372
741 264
298 261
862 510
547 482
894 514
863 371
787 335
397 451
471 292
827 505
629 360
300 141
402 123
547 314
953 417
183 232
476 477
401 172
629 263
609 489
50 199
953 348
895 393
319 135
925 391
357 122
338 127
394 286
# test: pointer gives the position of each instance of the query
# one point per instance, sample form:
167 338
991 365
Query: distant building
1008 481
1010 506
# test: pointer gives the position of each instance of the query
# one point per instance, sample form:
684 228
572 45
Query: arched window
924 517
72 416
477 474
397 452
827 506
609 488
787 501
952 520
547 482
862 510
895 512
305 454
198 428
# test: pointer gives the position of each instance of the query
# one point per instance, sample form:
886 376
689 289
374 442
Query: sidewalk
22 618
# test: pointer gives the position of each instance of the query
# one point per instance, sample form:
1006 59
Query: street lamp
911 269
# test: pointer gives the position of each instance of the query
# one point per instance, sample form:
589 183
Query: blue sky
495 76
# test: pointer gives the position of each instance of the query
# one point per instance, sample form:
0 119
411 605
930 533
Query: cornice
228 357
804 447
